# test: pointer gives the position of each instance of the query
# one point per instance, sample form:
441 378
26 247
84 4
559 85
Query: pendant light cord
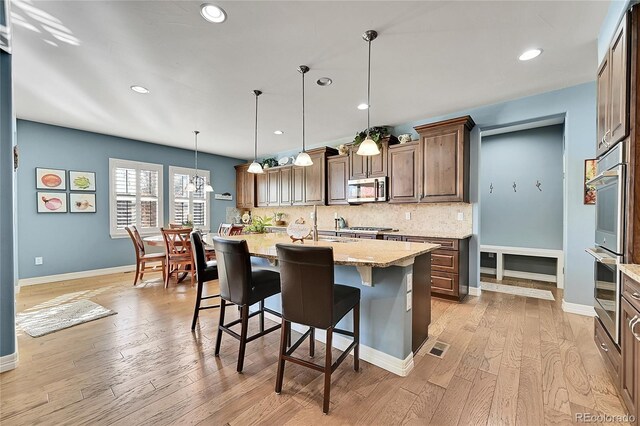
369 90
303 145
255 149
196 133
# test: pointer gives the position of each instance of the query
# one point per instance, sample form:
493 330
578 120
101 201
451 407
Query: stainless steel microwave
369 190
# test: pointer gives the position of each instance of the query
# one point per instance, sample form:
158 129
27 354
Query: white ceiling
430 58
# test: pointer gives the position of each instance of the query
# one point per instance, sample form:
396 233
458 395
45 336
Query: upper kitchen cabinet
444 157
368 166
262 190
297 186
315 181
245 187
613 91
337 177
404 173
273 192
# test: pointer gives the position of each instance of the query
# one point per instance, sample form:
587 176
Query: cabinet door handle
632 326
604 347
635 295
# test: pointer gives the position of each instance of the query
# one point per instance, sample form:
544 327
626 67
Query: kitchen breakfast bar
394 280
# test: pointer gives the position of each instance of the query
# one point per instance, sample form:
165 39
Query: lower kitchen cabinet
630 346
449 267
608 350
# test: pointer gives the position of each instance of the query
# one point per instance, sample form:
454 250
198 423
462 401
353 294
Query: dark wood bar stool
205 271
310 297
244 286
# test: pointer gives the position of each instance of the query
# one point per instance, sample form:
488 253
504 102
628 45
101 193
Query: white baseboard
401 367
75 275
574 308
474 291
521 274
8 362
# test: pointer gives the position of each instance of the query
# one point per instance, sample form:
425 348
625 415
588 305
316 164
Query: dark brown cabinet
297 186
337 177
445 160
404 173
285 186
293 185
449 267
262 190
613 91
368 166
245 187
630 346
273 193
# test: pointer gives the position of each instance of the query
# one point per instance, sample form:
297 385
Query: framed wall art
82 181
82 203
51 179
51 202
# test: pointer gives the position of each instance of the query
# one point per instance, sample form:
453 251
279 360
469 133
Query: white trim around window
135 197
195 206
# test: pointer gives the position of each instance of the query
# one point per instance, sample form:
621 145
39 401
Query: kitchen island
394 278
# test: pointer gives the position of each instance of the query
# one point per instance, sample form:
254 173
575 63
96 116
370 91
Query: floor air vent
439 349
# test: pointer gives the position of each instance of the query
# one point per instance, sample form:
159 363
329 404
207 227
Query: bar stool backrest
234 269
306 280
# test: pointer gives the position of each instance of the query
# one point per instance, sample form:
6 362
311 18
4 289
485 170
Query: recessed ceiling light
278 132
213 13
363 106
140 89
324 81
530 54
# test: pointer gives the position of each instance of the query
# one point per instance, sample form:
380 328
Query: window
184 206
135 196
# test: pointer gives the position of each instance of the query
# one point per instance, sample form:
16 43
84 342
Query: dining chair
142 258
179 257
242 285
311 298
206 270
223 229
236 230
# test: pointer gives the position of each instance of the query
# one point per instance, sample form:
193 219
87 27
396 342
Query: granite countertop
446 234
346 251
632 270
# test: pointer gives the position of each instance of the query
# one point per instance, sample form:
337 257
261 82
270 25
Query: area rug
518 291
45 321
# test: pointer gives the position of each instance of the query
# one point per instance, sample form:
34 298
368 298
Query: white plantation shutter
183 205
136 196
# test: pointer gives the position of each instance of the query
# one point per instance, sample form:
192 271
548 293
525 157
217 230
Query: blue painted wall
80 242
578 106
526 217
7 208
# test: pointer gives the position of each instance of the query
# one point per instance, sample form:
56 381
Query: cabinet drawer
446 243
327 233
608 351
444 283
393 238
631 291
445 260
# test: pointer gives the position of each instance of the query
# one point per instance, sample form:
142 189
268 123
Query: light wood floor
512 360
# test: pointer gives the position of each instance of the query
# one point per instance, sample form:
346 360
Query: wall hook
514 187
538 185
491 188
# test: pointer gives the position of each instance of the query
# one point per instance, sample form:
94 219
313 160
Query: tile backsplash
433 220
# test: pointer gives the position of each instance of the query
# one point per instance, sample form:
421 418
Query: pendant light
197 183
368 146
255 167
303 158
